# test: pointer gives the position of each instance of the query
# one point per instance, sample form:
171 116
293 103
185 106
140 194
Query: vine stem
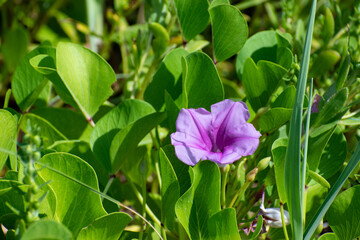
104 196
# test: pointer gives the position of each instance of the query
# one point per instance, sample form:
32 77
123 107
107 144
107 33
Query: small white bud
272 216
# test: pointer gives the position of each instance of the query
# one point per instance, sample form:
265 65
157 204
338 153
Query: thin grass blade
315 221
293 153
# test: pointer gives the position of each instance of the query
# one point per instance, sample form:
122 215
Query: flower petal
197 124
227 116
191 139
188 149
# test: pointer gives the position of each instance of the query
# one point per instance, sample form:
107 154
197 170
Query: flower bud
264 163
250 177
272 217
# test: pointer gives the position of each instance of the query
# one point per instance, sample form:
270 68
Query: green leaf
109 125
332 193
317 143
76 201
27 83
274 118
260 81
193 16
292 170
14 46
278 150
167 78
315 196
202 86
263 46
331 108
172 112
107 227
229 30
82 150
170 191
43 63
180 168
47 229
344 214
8 133
328 236
334 155
127 139
200 203
319 179
87 76
223 225
286 99
71 124
11 192
44 129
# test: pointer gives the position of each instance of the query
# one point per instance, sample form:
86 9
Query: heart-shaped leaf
223 225
260 81
202 86
127 139
47 229
108 126
167 78
76 200
87 76
229 30
344 214
200 203
107 227
193 16
27 83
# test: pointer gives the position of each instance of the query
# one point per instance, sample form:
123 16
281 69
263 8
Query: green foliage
195 207
86 75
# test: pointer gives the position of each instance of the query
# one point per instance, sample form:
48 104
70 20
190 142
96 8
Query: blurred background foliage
119 31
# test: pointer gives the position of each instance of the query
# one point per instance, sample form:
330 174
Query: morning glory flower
222 135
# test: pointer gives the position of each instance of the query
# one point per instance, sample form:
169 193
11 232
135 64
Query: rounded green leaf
43 127
334 155
223 225
76 206
200 203
71 124
127 139
107 227
27 83
8 133
260 81
47 229
328 236
87 76
193 16
229 30
167 78
109 125
344 214
43 63
202 86
263 46
274 118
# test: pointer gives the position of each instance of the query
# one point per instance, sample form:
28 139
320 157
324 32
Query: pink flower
222 135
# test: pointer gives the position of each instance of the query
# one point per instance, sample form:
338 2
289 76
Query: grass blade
293 153
355 159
